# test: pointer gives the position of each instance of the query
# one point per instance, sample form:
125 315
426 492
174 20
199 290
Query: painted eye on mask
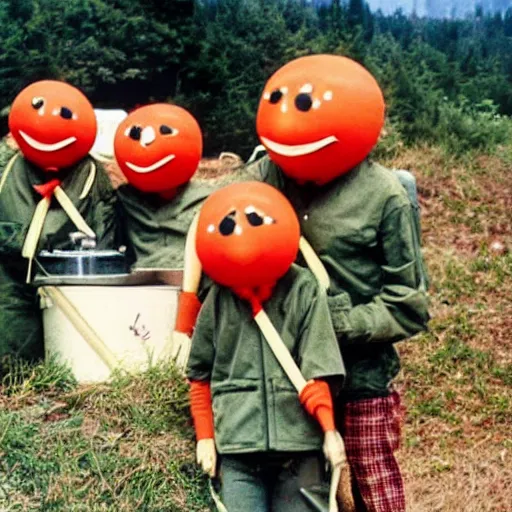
254 219
303 102
134 132
227 224
66 113
166 130
257 218
37 102
275 96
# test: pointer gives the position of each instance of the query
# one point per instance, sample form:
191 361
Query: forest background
446 81
128 444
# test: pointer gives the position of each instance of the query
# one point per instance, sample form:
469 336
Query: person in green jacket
158 148
48 190
318 118
244 405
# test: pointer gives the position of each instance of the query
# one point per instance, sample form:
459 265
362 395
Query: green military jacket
157 228
255 406
360 225
86 184
89 188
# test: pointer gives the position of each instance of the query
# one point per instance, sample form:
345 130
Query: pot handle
82 241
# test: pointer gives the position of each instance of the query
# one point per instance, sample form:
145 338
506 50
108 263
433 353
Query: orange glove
316 399
201 409
188 309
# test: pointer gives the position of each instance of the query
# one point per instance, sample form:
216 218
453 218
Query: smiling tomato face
53 123
158 147
320 116
247 235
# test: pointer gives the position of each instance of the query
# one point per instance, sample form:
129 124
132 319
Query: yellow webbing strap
34 233
37 223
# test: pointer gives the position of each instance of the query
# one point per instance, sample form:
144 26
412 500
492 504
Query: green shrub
464 126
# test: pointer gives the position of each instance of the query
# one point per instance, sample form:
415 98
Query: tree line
445 81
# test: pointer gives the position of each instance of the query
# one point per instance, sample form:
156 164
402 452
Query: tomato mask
53 123
320 116
158 147
247 235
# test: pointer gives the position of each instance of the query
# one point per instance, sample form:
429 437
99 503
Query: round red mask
247 235
53 123
158 147
320 116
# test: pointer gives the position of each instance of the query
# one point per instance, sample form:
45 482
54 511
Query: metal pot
82 263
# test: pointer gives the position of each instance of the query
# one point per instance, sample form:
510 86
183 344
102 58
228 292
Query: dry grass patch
476 480
457 379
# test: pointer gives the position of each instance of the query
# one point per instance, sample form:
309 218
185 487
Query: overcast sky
438 8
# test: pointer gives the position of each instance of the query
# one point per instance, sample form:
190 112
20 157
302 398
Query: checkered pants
371 430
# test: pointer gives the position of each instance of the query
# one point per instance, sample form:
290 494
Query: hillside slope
129 445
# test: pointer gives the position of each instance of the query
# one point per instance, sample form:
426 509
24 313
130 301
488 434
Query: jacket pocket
238 414
294 427
12 236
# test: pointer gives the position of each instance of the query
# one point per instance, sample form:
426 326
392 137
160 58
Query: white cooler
133 323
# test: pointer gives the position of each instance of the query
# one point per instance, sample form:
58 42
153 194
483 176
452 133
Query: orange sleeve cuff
316 399
188 309
201 409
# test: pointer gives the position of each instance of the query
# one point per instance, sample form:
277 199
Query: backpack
408 182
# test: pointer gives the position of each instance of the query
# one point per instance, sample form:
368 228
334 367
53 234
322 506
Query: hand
334 448
180 348
206 456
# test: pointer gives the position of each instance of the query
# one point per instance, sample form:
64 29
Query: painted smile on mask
298 149
40 146
150 168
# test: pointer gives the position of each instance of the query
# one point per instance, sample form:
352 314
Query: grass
128 445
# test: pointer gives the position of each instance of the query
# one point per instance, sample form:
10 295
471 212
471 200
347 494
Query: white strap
73 213
333 489
280 350
89 181
81 325
216 499
192 267
314 263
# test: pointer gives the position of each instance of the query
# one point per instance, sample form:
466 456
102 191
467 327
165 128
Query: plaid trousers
371 430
